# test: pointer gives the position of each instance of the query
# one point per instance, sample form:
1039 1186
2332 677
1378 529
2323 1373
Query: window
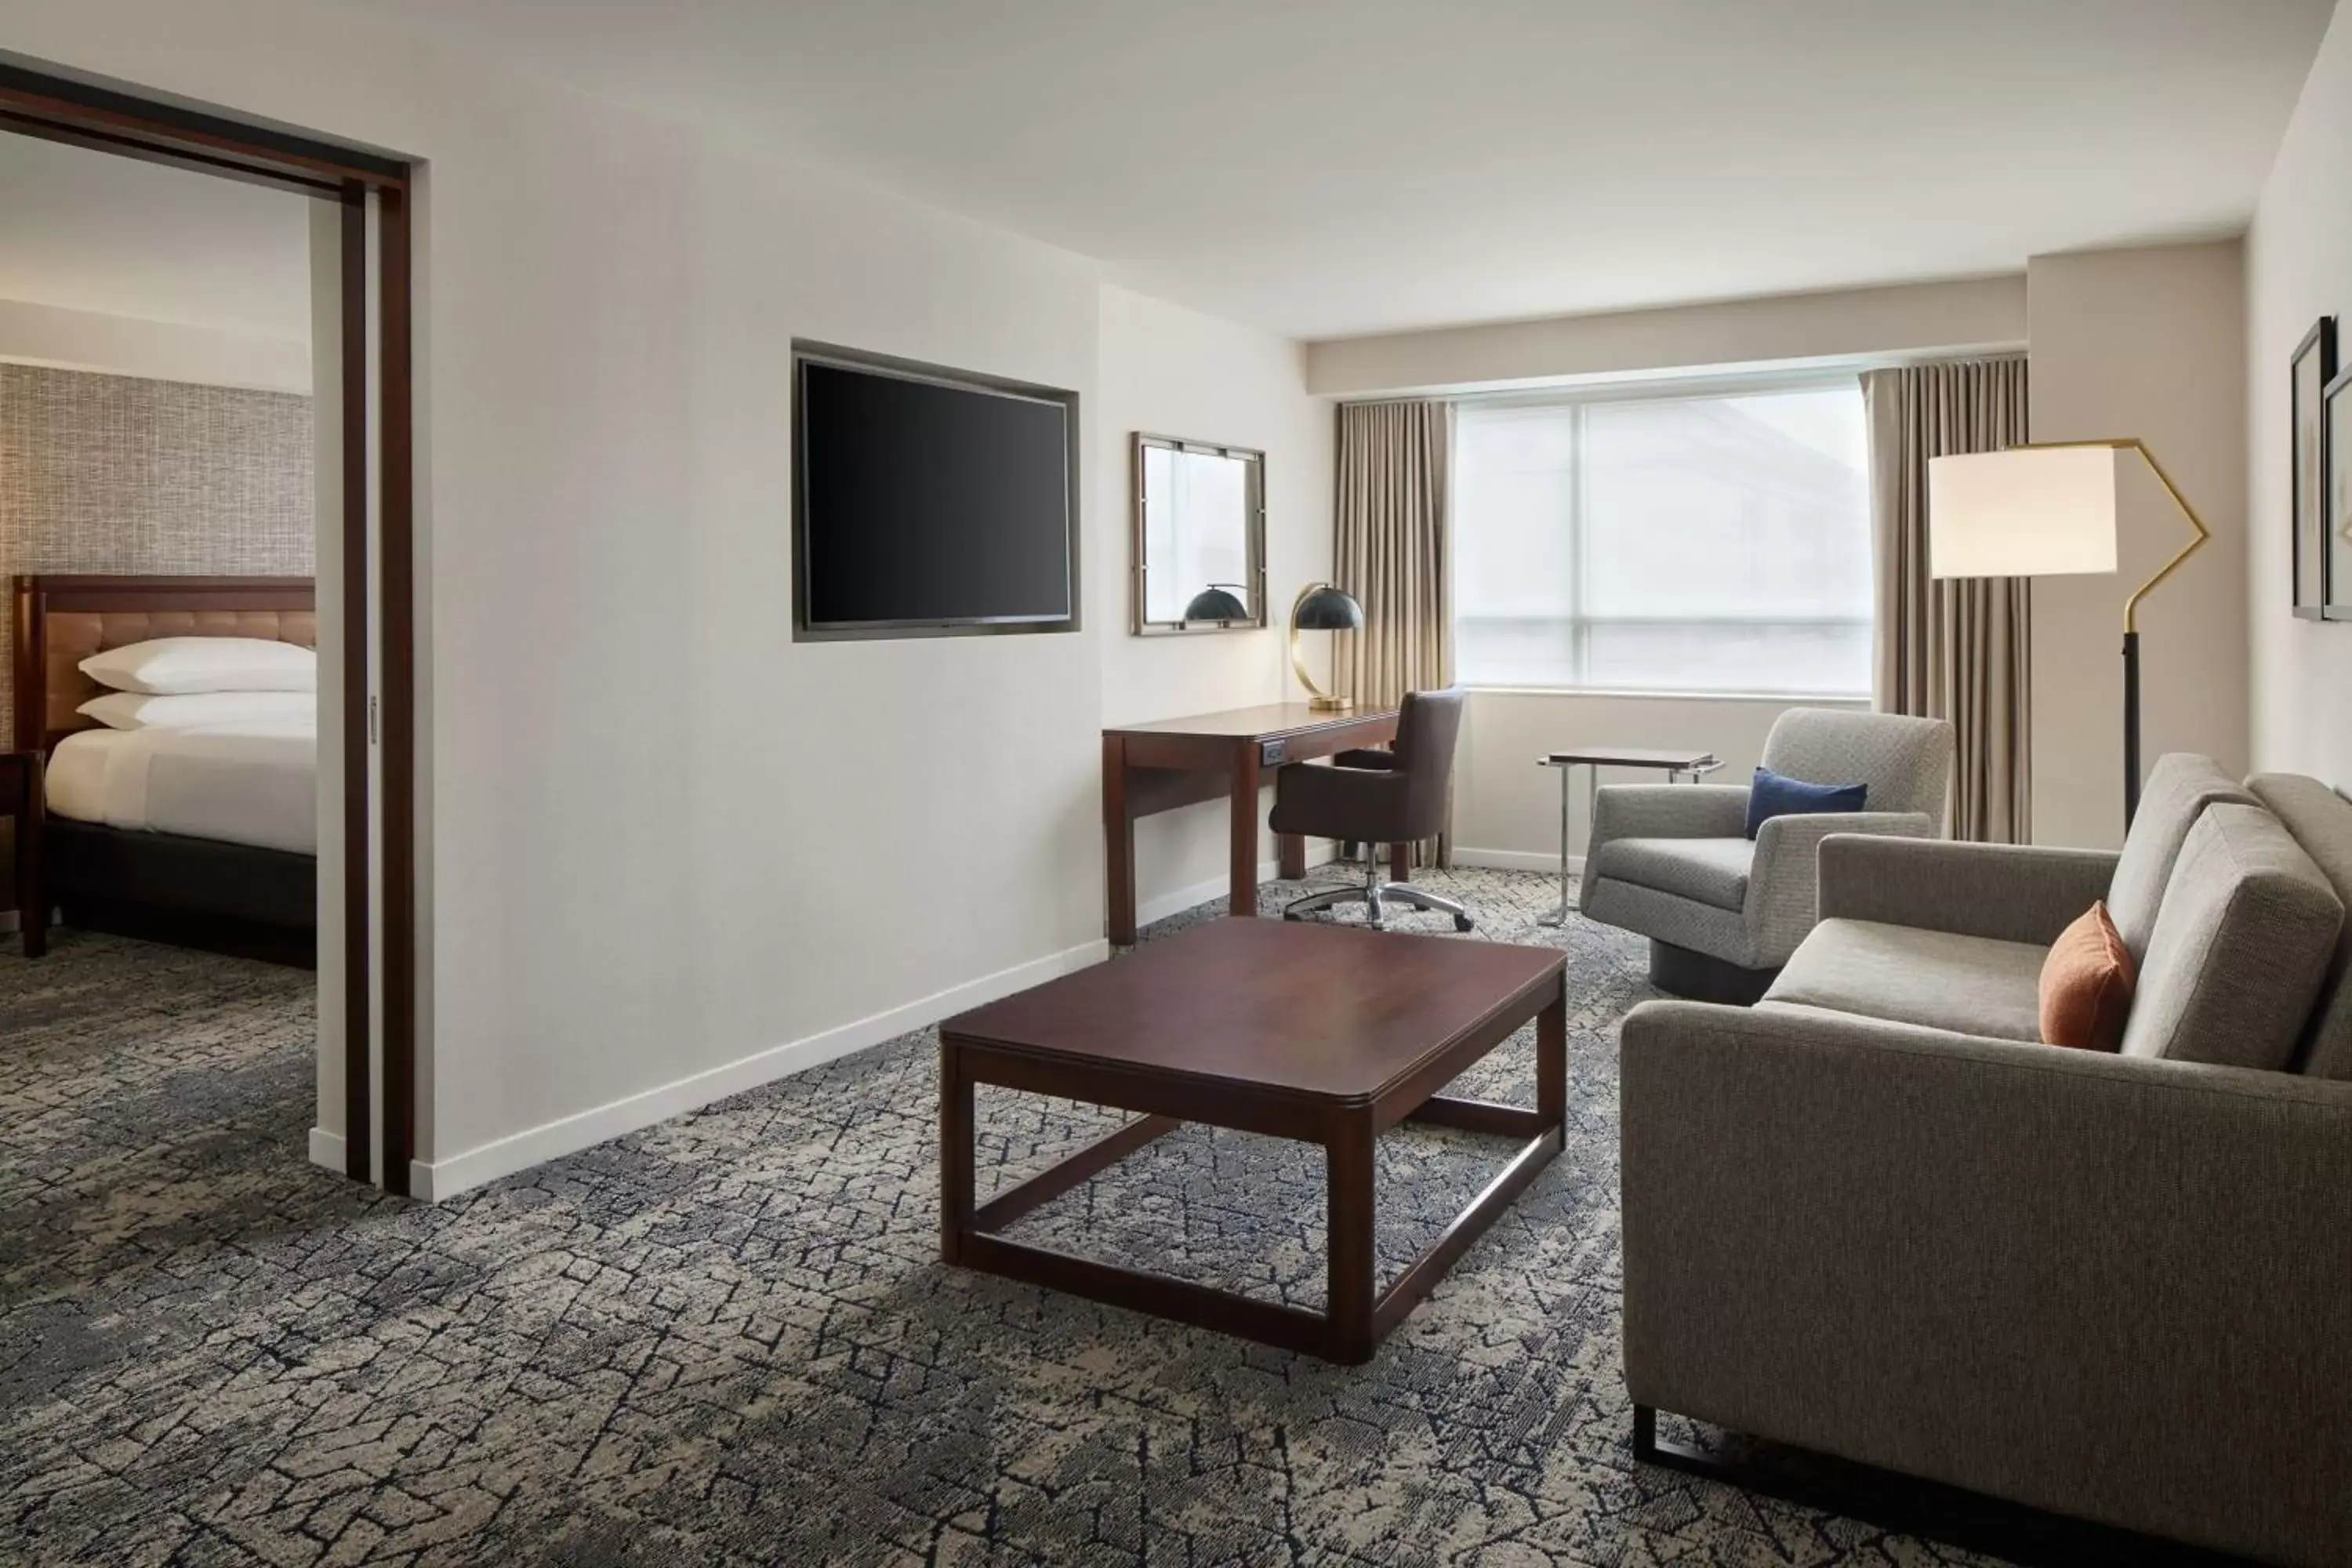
1686 543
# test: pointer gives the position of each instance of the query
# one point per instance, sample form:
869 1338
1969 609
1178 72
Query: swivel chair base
1702 978
1375 895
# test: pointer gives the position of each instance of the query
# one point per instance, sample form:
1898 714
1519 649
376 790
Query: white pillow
138 711
171 667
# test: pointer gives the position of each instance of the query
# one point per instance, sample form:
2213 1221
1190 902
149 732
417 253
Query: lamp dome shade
1327 609
2027 512
1213 602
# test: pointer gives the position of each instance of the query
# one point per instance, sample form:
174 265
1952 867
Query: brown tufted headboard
60 621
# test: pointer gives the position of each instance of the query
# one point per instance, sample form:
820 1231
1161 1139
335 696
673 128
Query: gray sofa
1723 912
1873 1216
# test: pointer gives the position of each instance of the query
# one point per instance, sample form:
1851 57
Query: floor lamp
2046 510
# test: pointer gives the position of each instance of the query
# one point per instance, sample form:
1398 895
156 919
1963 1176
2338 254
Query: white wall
2147 343
2298 269
95 233
670 851
1506 808
1966 316
1169 370
34 333
125 267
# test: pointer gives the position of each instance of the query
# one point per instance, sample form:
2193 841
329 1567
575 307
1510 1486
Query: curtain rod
1783 376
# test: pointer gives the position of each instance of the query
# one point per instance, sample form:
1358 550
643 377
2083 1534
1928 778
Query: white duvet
245 781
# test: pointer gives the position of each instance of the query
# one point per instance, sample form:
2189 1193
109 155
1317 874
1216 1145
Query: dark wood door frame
114 120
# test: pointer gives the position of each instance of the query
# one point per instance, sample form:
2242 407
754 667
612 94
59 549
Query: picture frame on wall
2336 467
2313 371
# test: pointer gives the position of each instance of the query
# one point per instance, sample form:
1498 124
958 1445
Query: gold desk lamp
1320 608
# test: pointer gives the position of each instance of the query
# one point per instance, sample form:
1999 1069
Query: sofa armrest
1668 811
1782 884
2113 1286
2011 892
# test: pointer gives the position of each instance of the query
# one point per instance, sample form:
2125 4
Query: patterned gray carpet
727 1338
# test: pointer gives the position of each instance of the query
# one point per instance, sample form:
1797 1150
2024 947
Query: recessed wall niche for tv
930 501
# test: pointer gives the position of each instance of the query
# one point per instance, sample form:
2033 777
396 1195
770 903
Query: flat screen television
928 501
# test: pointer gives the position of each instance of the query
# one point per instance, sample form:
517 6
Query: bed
205 837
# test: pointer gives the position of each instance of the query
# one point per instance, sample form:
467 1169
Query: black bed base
193 893
1905 1505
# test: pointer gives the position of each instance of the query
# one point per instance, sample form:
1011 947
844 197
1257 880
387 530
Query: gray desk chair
1395 796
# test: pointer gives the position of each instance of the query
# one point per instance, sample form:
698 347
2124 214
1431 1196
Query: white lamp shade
2043 512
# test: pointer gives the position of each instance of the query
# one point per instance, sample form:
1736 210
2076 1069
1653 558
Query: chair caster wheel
1461 923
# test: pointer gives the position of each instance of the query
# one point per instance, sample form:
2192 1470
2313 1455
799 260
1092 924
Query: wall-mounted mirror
1199 537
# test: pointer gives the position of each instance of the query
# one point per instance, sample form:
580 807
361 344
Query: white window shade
1716 543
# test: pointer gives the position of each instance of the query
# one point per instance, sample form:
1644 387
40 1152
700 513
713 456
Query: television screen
928 503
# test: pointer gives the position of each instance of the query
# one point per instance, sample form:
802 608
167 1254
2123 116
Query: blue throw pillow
1773 795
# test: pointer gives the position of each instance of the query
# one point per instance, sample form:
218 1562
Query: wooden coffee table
1324 1034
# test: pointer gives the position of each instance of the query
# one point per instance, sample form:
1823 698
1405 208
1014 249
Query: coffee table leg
955 1152
1551 1063
1348 1163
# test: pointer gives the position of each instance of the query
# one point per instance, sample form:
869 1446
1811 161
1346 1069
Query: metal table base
1696 764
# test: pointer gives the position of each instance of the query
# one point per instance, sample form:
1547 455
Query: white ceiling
1325 167
96 231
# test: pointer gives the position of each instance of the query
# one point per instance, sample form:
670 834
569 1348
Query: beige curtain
1956 649
1390 551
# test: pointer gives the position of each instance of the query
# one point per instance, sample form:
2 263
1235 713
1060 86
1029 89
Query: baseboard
1158 908
327 1149
1516 860
436 1180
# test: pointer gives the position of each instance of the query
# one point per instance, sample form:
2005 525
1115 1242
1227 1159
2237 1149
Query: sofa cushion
1971 985
2180 787
2241 941
1708 870
2086 984
2321 821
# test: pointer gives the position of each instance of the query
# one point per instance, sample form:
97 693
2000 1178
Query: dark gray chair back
1429 723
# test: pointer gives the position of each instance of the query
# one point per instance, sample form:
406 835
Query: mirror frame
1138 624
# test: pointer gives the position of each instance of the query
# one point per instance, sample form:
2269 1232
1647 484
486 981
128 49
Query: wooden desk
1171 762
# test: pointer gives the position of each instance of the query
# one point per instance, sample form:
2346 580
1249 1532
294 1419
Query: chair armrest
1956 1256
1668 811
2011 892
1784 882
1361 805
1368 759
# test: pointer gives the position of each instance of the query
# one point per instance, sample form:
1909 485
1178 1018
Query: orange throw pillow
2086 984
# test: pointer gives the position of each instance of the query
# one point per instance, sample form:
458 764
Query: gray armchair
1723 913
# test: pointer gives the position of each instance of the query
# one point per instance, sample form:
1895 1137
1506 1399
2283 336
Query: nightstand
20 802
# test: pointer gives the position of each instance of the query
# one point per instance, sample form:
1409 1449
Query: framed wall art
2313 368
2335 492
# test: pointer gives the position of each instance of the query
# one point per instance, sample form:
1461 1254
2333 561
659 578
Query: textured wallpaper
114 473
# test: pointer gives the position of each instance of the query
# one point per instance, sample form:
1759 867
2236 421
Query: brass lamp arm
2131 605
1297 657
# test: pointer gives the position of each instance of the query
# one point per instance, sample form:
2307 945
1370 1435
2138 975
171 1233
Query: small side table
20 802
1592 758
